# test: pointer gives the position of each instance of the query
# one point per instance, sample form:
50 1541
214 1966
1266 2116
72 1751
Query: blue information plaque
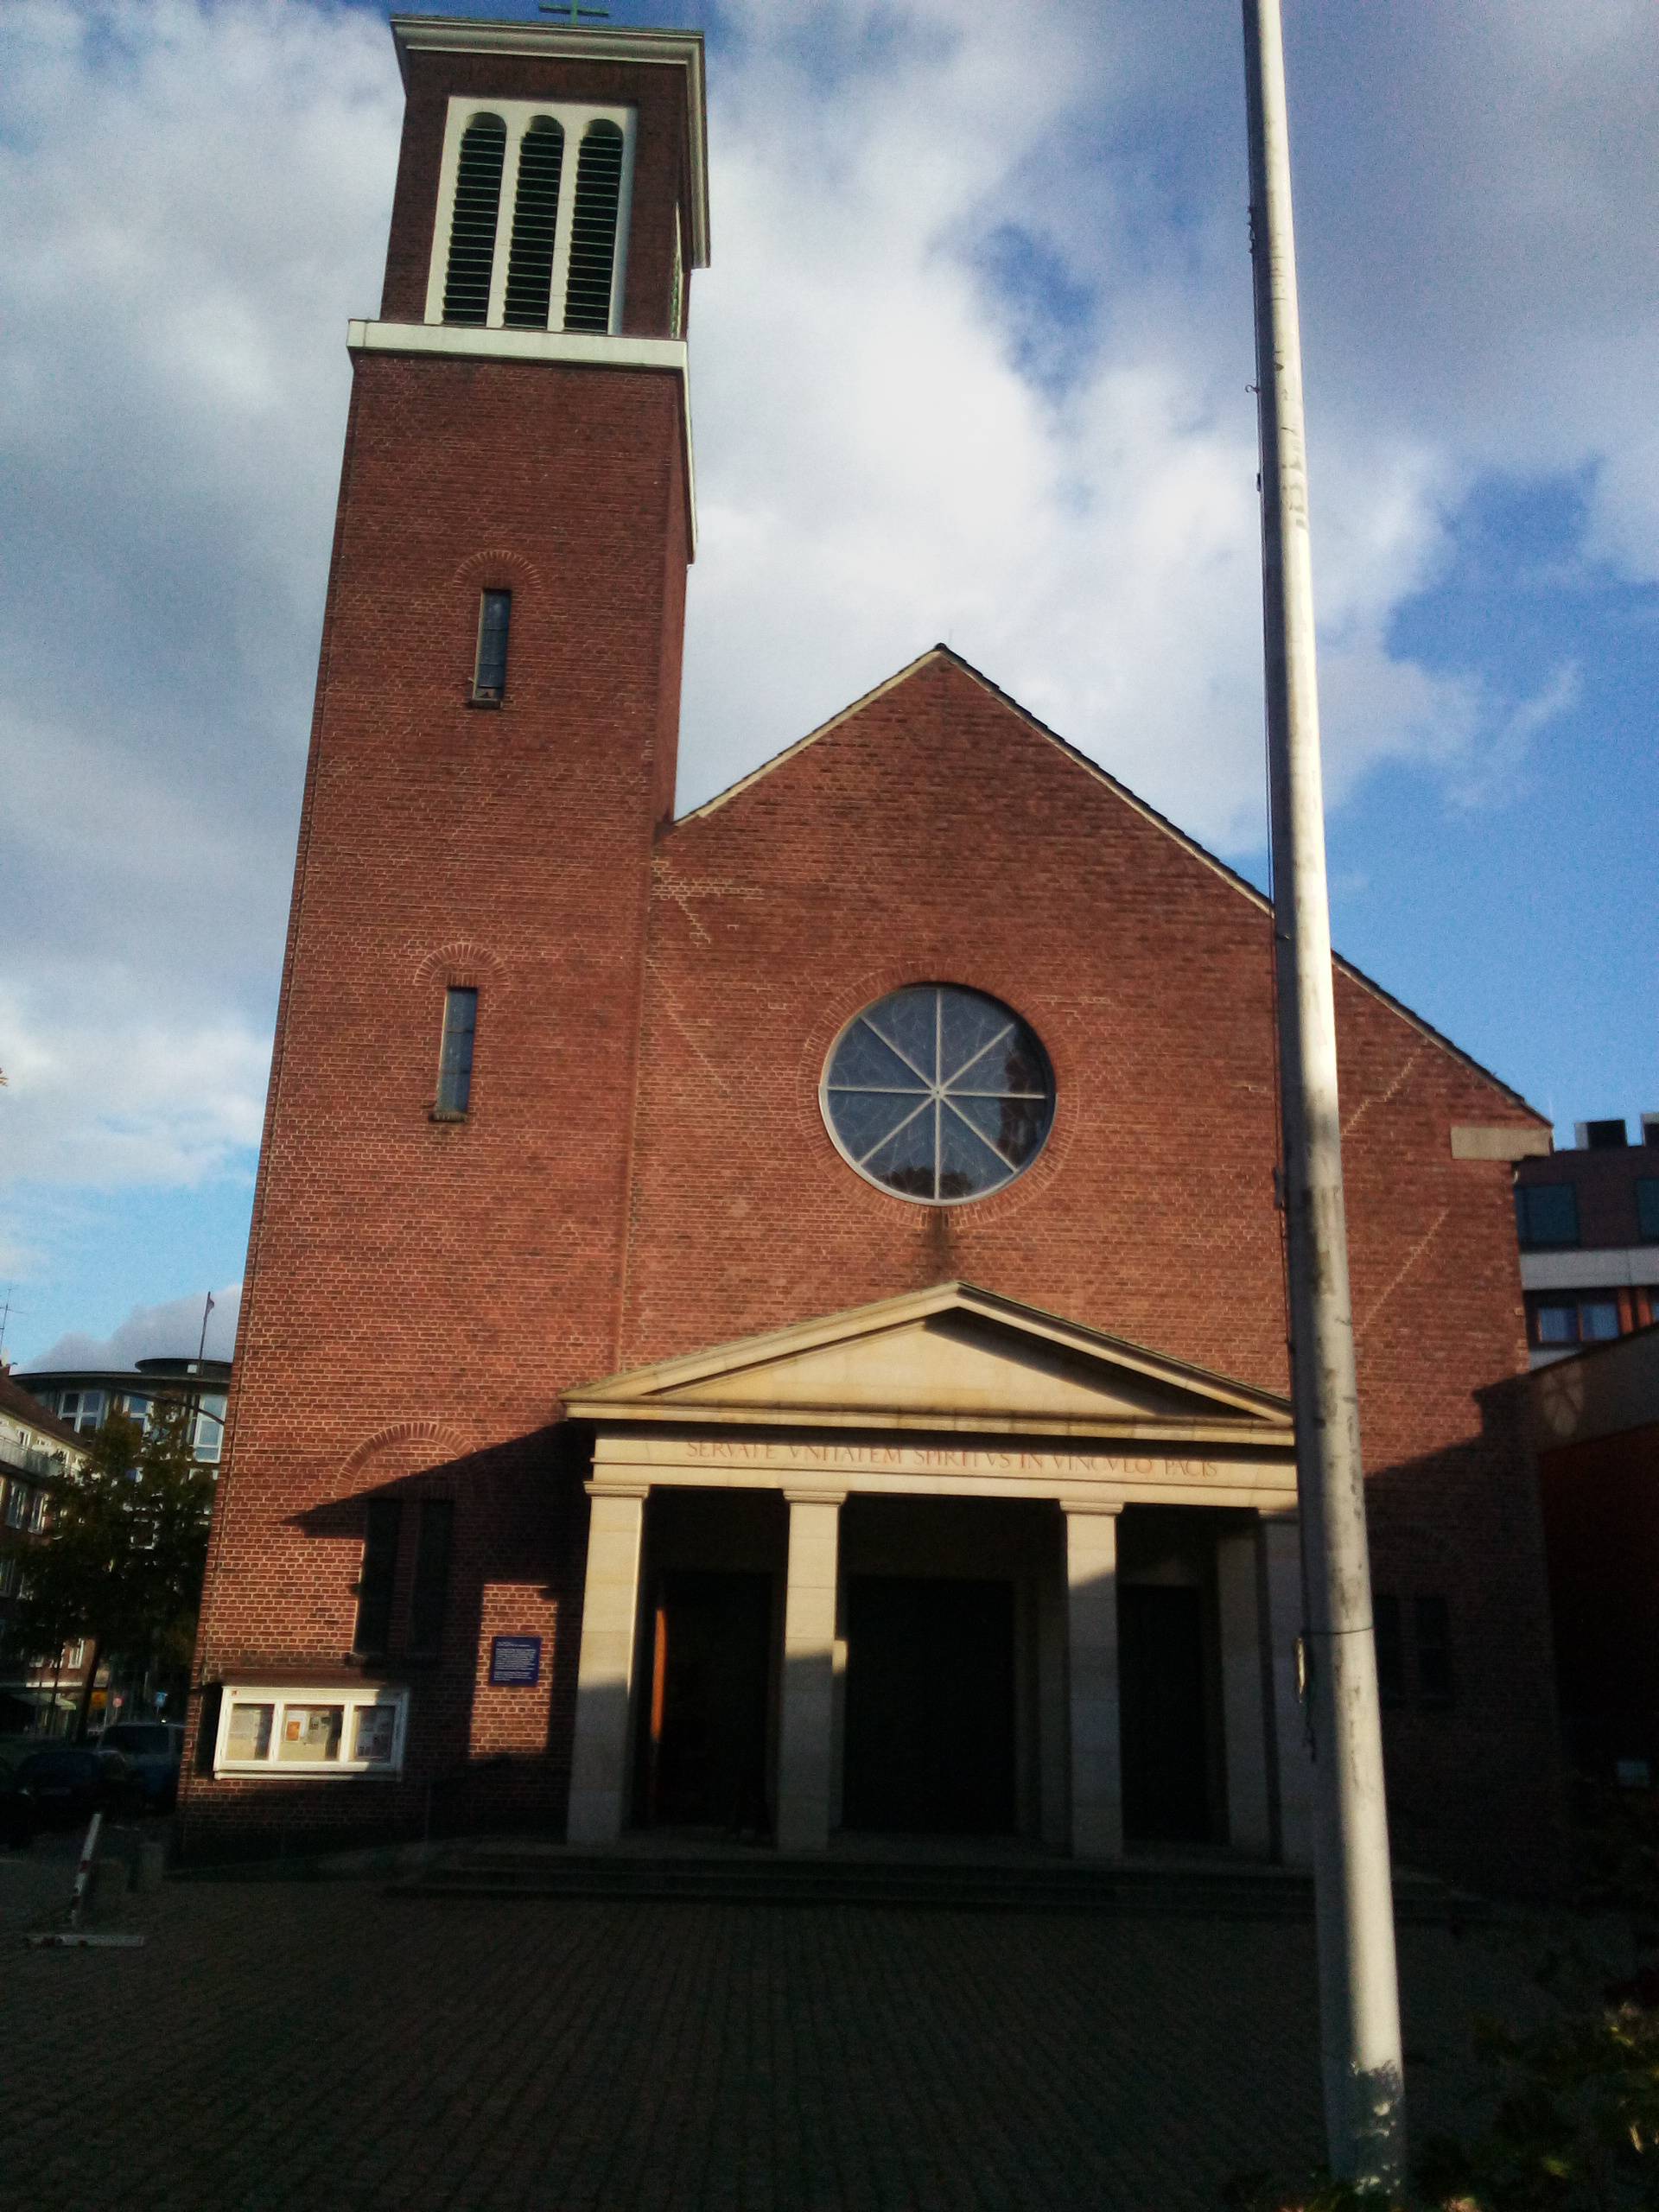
516 1660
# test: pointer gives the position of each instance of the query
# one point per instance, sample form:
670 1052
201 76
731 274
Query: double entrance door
932 1715
928 1718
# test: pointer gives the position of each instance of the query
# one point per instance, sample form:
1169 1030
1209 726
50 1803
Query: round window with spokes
938 1094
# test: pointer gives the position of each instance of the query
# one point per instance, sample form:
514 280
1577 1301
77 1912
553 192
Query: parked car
71 1782
155 1749
16 1813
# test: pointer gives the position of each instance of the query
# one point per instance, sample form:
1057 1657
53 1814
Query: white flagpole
1359 2001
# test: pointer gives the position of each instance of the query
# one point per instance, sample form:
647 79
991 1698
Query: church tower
439 1227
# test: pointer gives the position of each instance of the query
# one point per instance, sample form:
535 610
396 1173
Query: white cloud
972 362
108 1087
154 1331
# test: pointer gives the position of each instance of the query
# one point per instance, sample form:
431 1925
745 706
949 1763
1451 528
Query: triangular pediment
952 1358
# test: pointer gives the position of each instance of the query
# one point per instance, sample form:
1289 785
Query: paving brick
279 2046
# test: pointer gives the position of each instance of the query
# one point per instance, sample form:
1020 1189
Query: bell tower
439 1224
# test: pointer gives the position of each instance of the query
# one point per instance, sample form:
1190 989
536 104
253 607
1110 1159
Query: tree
120 1562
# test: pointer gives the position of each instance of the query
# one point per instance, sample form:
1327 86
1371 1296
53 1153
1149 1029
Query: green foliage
121 1561
1574 2124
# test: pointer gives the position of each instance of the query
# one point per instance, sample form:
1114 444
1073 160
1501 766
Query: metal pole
1359 2000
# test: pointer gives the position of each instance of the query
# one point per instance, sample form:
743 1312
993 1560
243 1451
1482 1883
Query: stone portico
945 1560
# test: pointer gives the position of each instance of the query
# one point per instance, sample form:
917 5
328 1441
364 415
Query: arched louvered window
593 229
535 218
472 227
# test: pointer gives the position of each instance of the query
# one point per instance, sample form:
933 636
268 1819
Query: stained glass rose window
938 1093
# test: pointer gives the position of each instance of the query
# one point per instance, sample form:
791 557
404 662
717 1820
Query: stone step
1226 1893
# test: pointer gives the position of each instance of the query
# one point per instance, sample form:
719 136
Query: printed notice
516 1660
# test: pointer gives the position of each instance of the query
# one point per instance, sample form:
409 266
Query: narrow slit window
374 1589
430 1596
472 221
1390 1650
593 229
455 1056
535 218
494 622
1432 1624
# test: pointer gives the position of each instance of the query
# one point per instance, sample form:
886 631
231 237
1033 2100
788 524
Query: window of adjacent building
1646 1208
429 1594
16 1505
7 1576
82 1409
1546 1214
382 1522
455 1051
529 238
937 1094
1607 1136
1574 1320
494 625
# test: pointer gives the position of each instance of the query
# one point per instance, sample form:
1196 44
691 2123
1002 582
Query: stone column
805 1749
1280 1564
599 1771
1092 1676
1243 1693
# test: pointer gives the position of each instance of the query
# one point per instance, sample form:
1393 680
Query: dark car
155 1749
70 1783
16 1813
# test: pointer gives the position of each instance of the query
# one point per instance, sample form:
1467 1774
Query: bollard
84 1871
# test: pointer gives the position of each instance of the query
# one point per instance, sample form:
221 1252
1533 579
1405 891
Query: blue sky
972 363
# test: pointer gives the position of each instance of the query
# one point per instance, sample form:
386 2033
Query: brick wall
419 1291
937 834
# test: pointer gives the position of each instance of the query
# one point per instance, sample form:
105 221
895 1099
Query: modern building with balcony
36 1449
1588 1222
83 1397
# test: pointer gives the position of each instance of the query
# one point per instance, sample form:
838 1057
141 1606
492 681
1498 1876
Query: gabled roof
954 1358
1138 805
23 1405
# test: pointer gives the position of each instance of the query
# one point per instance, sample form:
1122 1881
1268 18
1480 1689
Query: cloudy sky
971 363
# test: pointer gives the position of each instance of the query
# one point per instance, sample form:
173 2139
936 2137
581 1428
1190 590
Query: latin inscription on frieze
946 1459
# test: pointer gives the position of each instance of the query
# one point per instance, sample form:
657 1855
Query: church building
771 1323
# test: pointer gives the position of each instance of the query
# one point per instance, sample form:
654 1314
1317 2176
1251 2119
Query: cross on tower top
570 12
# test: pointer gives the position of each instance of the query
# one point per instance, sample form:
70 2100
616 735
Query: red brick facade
644 1170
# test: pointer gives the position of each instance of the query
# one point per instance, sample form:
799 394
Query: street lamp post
1359 2003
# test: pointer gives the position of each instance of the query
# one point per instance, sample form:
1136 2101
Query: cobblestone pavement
325 2045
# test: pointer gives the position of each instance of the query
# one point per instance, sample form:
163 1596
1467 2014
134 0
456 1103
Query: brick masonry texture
646 1171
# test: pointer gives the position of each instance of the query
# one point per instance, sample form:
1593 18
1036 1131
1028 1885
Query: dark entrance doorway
1166 1771
705 1764
929 1739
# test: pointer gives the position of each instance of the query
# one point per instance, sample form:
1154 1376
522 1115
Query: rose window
938 1093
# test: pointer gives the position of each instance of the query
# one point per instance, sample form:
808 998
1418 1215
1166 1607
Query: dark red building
773 1320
